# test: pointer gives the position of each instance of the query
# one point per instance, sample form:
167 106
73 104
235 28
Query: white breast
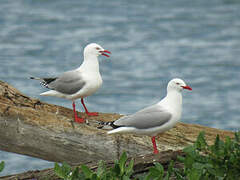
93 83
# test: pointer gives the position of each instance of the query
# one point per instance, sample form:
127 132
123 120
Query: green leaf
125 177
178 174
161 170
237 136
212 171
194 174
60 171
94 177
86 171
189 160
66 167
101 168
116 169
189 149
217 143
169 171
2 164
201 142
154 172
170 166
129 168
76 174
228 146
122 162
218 146
198 166
208 166
145 177
180 158
159 167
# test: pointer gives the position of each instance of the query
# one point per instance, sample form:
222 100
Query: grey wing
69 82
146 118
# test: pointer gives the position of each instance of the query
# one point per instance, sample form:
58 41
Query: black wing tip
111 124
43 83
49 80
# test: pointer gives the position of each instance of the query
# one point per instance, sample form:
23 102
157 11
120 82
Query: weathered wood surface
141 165
31 127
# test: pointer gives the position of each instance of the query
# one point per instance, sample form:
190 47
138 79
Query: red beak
187 87
105 51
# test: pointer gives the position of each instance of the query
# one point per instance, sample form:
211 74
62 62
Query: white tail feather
49 93
122 130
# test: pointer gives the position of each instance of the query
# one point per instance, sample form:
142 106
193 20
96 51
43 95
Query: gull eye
97 48
178 83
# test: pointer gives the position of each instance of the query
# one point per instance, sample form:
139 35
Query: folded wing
149 117
69 82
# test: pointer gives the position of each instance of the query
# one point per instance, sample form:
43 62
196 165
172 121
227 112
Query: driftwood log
31 127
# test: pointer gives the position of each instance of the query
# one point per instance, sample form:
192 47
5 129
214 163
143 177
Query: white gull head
177 85
94 49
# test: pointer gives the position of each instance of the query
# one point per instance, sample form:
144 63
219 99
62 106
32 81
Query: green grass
121 170
220 161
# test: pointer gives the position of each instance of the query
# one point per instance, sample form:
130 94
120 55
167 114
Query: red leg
76 118
155 150
88 113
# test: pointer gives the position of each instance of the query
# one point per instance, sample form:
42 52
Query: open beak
187 87
104 53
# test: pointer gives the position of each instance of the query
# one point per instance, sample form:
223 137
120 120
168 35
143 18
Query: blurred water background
151 42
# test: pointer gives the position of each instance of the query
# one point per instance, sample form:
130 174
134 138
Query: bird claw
79 120
92 113
155 151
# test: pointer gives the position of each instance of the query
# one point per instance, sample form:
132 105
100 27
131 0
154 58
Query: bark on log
31 127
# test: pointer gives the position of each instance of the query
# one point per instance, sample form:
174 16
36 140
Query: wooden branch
141 165
31 127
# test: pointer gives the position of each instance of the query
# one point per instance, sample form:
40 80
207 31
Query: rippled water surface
151 43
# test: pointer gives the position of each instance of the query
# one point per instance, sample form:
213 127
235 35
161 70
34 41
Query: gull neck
90 63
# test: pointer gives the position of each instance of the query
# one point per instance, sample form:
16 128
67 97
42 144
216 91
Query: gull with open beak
78 83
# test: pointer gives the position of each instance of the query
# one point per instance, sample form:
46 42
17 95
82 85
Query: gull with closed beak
154 119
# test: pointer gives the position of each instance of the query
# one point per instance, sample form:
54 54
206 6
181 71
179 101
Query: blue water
151 43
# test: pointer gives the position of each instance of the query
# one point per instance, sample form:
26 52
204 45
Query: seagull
157 118
78 83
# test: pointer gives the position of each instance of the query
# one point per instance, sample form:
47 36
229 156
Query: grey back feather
69 82
146 118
